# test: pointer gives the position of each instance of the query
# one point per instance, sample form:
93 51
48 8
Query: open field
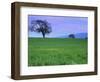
56 51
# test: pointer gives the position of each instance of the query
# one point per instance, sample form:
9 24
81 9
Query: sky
61 25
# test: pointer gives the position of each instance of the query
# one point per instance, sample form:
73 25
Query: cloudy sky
61 25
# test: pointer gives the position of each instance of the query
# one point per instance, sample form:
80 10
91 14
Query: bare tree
41 26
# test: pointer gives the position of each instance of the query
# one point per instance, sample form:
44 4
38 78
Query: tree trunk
43 34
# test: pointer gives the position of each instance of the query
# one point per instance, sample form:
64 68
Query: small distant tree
86 37
41 26
71 36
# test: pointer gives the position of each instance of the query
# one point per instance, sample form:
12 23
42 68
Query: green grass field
56 51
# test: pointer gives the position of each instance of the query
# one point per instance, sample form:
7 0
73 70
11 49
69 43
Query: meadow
56 51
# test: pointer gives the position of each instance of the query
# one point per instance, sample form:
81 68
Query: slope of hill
81 35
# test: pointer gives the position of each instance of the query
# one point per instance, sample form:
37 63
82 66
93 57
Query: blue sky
61 25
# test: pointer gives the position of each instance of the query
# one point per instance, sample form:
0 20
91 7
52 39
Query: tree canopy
71 36
41 26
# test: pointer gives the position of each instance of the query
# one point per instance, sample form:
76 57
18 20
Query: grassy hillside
56 51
